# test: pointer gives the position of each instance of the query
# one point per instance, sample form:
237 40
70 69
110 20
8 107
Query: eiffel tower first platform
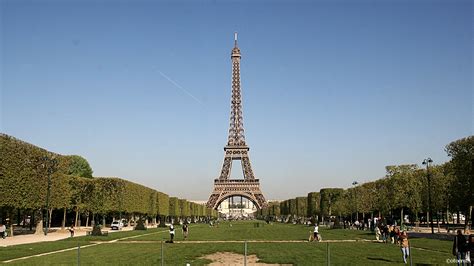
236 150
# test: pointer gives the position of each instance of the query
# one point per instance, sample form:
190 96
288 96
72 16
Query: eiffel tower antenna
236 150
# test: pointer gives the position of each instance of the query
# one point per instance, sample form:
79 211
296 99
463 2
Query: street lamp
354 184
50 163
428 162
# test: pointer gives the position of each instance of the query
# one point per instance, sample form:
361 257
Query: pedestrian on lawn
185 230
404 245
171 233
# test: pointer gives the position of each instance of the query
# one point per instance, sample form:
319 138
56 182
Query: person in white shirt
2 230
316 232
171 233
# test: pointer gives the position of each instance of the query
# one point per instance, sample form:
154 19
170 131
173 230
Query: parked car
116 225
462 217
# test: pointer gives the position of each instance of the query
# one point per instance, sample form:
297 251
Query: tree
406 186
462 161
313 204
79 166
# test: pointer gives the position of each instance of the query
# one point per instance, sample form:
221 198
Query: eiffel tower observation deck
236 150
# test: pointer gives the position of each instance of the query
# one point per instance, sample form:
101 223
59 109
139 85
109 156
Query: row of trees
26 172
404 190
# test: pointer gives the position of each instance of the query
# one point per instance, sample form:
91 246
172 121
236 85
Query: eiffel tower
236 149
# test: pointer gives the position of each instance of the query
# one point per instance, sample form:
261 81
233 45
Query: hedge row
24 185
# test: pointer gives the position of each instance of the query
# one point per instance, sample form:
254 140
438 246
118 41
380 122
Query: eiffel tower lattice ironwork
236 149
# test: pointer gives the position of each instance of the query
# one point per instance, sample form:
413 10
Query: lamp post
428 162
50 163
354 184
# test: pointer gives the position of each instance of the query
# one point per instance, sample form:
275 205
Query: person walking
459 248
404 246
71 230
185 230
377 233
316 236
392 234
171 233
470 249
3 229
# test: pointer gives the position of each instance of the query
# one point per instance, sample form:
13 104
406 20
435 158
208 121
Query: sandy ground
52 236
228 258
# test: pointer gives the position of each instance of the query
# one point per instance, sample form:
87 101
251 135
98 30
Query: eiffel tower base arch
224 189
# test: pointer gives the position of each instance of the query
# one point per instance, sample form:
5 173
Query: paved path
53 236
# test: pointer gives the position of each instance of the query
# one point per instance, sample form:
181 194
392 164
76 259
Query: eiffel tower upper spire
236 129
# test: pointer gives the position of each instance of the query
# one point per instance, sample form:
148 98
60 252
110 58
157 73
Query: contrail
179 87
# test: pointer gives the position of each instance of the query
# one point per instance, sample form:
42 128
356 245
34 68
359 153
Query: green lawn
145 249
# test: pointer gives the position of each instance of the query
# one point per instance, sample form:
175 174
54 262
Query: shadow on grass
381 259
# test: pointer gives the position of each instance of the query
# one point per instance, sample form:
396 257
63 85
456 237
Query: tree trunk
10 214
466 221
63 224
401 217
39 223
77 217
50 214
87 219
32 220
18 217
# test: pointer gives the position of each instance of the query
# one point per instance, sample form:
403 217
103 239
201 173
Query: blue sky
333 90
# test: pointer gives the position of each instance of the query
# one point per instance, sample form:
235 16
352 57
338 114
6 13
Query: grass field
276 243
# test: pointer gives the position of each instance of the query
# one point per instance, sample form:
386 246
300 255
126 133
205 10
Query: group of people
387 233
392 234
185 229
463 248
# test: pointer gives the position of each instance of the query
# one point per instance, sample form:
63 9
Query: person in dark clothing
185 231
460 247
385 234
71 230
470 248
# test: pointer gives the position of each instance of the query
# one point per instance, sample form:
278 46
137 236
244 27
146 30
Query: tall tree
462 161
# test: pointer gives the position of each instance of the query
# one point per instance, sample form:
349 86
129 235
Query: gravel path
53 236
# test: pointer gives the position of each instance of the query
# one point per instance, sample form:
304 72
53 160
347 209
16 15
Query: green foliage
313 204
301 206
163 205
184 208
78 166
328 199
174 209
462 165
24 173
24 169
292 207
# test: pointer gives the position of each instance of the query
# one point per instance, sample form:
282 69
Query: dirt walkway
229 258
52 236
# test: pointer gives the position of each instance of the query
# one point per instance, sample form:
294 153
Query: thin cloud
180 87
